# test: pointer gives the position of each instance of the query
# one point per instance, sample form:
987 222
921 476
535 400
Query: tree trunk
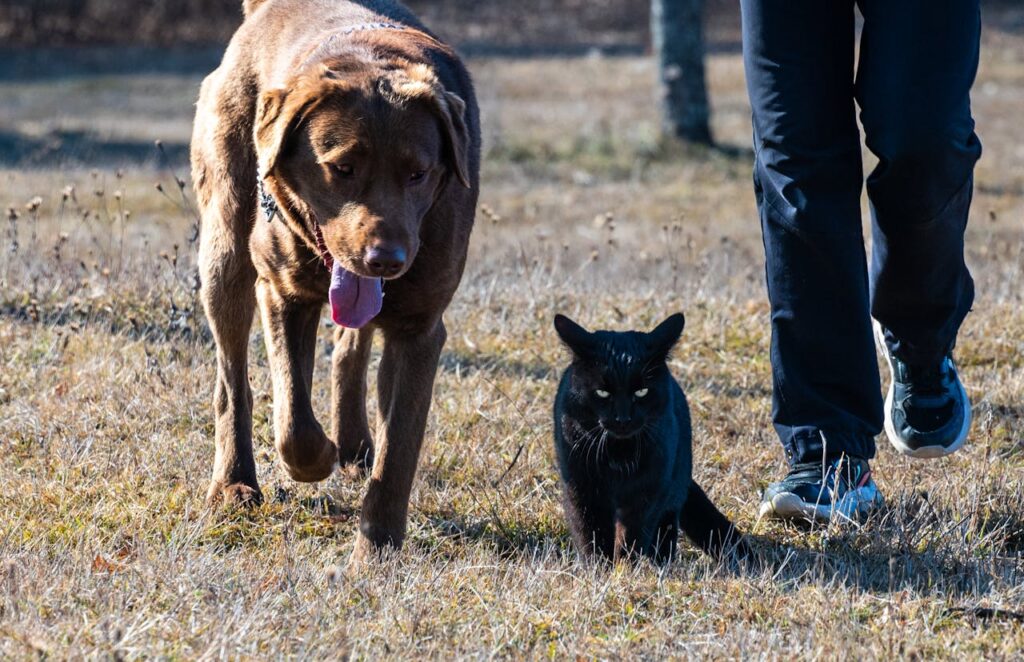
677 27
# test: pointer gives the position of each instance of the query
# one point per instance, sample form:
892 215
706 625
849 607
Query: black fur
625 457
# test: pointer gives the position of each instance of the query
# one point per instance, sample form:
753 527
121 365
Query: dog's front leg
289 327
227 290
404 385
350 429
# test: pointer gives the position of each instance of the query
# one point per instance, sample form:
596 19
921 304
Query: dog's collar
268 205
372 26
324 47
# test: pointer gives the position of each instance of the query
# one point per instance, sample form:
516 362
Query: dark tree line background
673 27
508 23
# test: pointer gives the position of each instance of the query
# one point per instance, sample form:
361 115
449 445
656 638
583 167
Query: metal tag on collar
365 27
326 46
267 202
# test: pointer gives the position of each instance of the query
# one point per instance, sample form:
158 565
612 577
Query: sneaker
927 413
816 491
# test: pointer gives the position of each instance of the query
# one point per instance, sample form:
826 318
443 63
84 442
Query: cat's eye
601 394
641 393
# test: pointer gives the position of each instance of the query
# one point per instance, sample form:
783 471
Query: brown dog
357 132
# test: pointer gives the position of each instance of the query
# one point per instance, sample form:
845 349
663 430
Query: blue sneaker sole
789 506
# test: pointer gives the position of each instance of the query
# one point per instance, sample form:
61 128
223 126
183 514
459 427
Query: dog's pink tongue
354 300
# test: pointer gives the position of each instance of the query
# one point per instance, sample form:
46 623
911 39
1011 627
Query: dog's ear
419 81
452 110
278 112
663 338
579 341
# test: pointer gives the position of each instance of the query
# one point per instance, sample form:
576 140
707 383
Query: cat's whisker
591 440
583 441
577 446
602 446
593 448
596 446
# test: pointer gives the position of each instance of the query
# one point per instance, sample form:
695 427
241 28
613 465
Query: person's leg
918 62
799 58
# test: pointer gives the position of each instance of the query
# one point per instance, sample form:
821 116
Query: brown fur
294 100
249 6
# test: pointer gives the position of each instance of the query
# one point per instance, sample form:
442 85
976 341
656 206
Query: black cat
623 440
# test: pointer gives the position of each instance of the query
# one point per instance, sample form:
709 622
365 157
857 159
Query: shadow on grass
60 148
34 65
318 517
617 159
984 614
508 539
323 505
912 544
466 364
168 323
908 547
930 573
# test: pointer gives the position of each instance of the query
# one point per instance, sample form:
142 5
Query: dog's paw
368 553
364 554
376 544
356 464
233 495
308 456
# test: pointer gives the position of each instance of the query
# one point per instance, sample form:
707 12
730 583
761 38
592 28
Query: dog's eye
417 177
641 393
343 170
601 394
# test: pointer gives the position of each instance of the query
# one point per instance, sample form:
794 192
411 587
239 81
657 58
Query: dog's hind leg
289 328
404 385
350 428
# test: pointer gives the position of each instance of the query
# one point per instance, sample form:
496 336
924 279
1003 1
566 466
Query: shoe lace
841 469
926 380
806 472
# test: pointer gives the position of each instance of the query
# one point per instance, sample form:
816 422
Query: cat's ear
666 335
575 337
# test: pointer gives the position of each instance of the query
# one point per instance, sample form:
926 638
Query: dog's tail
249 6
707 527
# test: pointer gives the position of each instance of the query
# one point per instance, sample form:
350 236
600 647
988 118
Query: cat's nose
620 426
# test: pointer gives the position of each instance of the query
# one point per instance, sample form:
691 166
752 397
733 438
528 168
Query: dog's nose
385 260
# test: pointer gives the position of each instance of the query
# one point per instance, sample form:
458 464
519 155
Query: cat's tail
708 528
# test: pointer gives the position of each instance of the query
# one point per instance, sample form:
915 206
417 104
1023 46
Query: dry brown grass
106 434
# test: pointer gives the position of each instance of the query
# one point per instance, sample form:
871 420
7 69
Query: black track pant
918 60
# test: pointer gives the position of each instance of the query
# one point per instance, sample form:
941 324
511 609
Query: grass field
106 434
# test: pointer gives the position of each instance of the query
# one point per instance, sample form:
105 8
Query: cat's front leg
591 524
633 536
